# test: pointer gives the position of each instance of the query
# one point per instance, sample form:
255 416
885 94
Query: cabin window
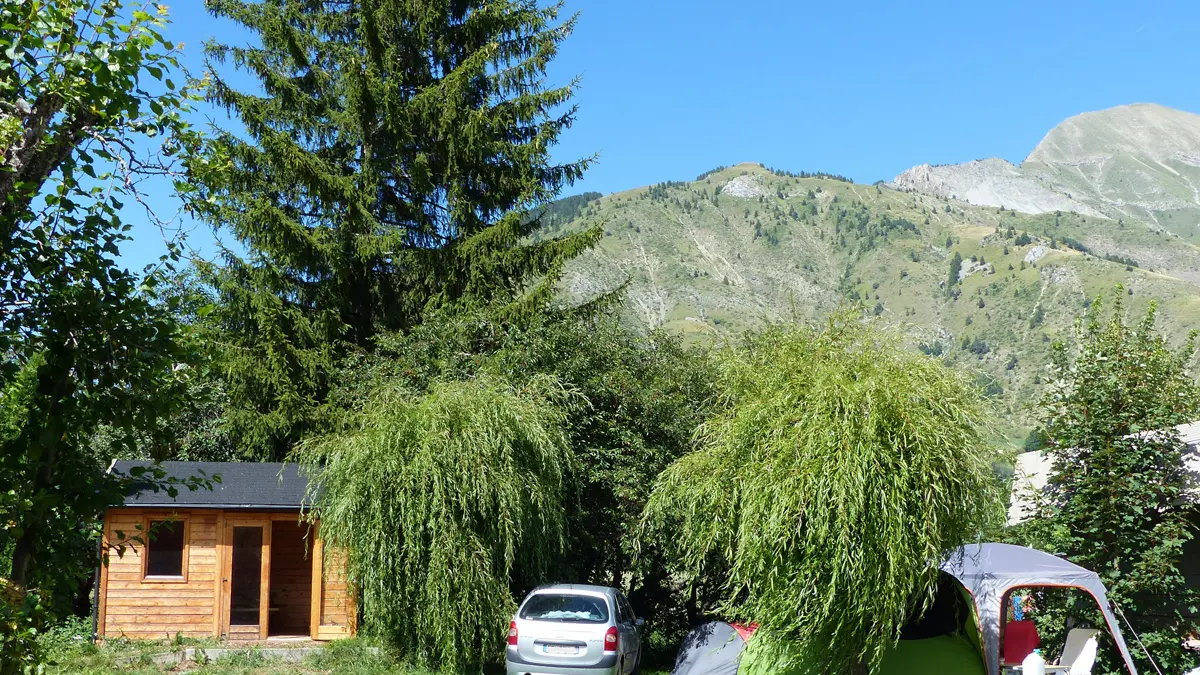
165 548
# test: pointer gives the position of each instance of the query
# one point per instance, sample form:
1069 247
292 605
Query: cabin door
246 578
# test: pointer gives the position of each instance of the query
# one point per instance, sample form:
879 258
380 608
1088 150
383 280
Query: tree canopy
841 471
1115 502
638 399
85 342
444 502
385 168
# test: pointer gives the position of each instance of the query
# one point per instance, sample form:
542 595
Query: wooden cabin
235 562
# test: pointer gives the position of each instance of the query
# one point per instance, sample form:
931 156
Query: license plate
560 650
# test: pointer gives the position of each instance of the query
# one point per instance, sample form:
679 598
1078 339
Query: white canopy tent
990 571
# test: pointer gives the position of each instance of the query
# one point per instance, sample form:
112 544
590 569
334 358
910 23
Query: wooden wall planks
134 606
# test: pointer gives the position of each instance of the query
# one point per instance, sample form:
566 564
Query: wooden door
246 578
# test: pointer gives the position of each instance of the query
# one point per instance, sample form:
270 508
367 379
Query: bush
21 622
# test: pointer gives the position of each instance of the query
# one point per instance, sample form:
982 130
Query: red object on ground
745 630
1020 639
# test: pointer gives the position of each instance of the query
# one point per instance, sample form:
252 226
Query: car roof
578 588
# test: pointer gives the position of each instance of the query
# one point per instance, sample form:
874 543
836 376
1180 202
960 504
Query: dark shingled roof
244 485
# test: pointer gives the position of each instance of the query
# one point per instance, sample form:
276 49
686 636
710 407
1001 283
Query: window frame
181 578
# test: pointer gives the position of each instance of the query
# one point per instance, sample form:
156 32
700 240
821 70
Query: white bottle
1034 664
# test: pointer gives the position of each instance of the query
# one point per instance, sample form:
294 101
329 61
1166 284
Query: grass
351 657
132 657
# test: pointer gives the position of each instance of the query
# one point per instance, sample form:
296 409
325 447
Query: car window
626 608
622 614
565 607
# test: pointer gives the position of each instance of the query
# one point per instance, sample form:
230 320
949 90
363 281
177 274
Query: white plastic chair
1079 652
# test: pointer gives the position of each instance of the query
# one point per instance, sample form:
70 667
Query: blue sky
671 88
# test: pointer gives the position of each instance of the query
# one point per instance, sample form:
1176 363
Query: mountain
1135 162
985 287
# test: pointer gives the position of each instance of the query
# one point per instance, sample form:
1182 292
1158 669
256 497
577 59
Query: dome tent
714 648
958 635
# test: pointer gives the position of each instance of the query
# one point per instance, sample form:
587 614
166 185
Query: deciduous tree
442 502
1116 501
87 110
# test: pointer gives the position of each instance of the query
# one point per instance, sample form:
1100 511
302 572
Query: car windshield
561 607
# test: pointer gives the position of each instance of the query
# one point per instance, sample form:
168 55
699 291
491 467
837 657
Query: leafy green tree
443 501
85 342
1115 502
386 166
85 98
639 400
1035 440
842 470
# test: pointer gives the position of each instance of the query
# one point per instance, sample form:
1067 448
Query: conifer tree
390 156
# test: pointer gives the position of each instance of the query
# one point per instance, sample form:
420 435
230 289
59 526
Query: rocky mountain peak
1138 161
1145 130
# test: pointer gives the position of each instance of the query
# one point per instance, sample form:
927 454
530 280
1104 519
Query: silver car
569 629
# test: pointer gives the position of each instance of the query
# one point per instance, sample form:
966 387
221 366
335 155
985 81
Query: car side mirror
639 622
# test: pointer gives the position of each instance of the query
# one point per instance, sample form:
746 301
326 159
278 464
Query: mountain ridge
1139 161
987 288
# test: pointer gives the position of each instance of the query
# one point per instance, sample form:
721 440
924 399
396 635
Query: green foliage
22 618
387 167
1039 315
1035 440
955 268
562 211
444 502
1115 501
808 174
710 172
639 400
842 470
1127 261
86 343
935 349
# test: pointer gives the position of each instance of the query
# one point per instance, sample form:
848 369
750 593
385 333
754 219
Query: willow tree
445 502
842 470
384 163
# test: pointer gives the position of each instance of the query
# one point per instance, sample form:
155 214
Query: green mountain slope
743 245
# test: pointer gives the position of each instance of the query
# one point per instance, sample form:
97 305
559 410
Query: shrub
21 620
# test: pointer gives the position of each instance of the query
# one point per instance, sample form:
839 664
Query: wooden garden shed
235 561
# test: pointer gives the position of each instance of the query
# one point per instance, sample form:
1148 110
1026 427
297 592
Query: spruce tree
386 164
